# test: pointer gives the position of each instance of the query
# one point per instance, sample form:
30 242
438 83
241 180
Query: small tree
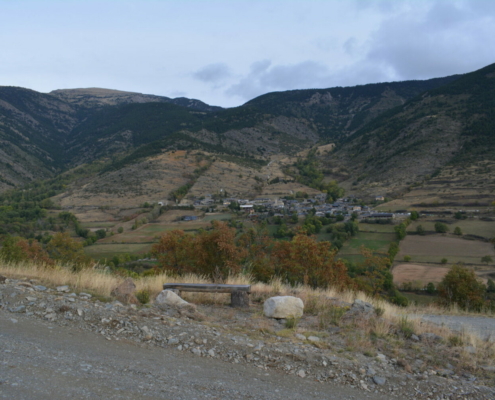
430 288
444 261
414 215
460 286
407 258
420 230
486 259
440 227
457 231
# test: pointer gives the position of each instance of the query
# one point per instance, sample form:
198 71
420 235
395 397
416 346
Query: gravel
58 344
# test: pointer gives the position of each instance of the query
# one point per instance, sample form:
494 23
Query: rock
51 316
301 373
125 292
381 357
167 299
430 338
19 309
2 279
300 337
147 333
39 288
414 338
283 307
359 310
314 338
63 288
379 380
470 349
445 372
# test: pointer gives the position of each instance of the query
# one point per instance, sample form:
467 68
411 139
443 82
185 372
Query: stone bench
239 294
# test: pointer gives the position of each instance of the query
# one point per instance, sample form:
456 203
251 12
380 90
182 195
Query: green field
420 299
476 227
99 225
100 251
217 217
377 228
373 241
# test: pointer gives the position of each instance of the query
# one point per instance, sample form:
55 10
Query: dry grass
317 302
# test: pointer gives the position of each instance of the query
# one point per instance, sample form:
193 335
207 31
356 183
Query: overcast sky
227 52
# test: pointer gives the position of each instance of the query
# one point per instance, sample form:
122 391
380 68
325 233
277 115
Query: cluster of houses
260 207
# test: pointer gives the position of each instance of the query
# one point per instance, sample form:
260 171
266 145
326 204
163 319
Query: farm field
432 248
408 272
99 251
373 241
140 240
379 242
377 228
473 226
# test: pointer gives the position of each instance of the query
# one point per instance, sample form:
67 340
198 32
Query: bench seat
239 294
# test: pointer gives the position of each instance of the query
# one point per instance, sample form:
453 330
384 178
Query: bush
143 296
457 231
440 227
406 327
120 230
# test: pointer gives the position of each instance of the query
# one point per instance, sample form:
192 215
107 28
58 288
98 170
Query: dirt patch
415 272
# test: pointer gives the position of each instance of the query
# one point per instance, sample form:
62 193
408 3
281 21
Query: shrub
143 296
457 231
291 322
406 327
407 258
120 230
440 227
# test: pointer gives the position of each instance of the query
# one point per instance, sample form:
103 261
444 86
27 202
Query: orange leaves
213 253
304 260
174 251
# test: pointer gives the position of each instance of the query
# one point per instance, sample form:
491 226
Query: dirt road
41 361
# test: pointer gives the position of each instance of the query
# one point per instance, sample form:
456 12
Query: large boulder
125 292
168 299
283 307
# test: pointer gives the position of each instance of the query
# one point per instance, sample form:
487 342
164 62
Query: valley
129 167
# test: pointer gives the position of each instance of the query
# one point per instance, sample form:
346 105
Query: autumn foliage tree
213 253
68 251
16 249
216 252
174 252
258 246
304 260
460 286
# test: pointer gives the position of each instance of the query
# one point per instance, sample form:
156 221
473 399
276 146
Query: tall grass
317 301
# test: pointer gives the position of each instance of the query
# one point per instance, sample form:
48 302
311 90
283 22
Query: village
300 205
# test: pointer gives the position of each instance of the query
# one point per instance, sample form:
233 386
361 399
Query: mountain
387 136
452 124
41 134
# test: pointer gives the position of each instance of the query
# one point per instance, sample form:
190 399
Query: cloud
264 77
444 39
215 74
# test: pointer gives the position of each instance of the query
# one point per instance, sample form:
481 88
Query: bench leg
239 299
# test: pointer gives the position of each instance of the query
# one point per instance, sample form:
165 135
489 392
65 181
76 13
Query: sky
226 52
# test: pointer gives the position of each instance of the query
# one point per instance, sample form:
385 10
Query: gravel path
482 326
41 361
